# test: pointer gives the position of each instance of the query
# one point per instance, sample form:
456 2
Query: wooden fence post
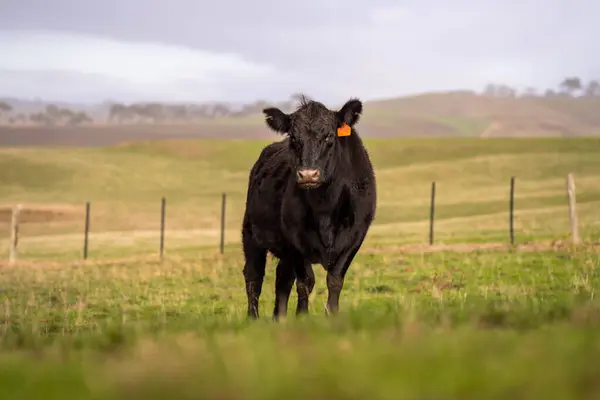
511 213
223 201
163 205
86 230
14 233
572 208
432 213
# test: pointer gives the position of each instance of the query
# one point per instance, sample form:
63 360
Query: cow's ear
277 120
350 112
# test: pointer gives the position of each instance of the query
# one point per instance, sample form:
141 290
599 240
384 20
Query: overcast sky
241 50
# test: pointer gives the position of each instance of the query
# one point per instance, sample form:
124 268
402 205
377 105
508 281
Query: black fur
303 226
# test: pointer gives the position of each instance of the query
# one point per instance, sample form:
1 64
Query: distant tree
571 85
592 89
220 110
147 112
115 112
66 114
549 93
178 112
199 111
52 115
60 115
5 109
137 111
120 113
79 118
53 111
489 90
154 111
41 118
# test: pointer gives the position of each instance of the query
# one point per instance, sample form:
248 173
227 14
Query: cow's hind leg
284 281
305 282
254 273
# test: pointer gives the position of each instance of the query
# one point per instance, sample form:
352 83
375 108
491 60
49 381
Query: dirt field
110 135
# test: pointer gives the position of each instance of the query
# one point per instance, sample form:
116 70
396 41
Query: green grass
519 323
443 325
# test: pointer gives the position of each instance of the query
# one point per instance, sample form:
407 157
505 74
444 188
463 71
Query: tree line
155 112
51 115
568 87
158 112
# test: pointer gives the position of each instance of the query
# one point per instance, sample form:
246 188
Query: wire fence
15 221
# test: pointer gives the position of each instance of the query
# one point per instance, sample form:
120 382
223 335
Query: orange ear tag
344 130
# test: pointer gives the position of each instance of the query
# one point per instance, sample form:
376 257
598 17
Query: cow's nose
308 175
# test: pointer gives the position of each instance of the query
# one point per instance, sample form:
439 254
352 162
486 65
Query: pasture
472 321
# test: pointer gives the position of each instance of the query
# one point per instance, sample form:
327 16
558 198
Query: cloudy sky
241 50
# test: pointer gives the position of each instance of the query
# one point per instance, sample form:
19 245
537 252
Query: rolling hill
469 114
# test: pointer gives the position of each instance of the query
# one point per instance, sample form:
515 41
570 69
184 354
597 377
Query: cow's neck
324 199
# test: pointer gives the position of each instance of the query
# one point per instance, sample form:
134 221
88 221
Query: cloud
146 70
185 49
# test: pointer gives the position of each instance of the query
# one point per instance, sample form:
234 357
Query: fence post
432 213
511 213
223 201
572 208
86 231
14 233
163 205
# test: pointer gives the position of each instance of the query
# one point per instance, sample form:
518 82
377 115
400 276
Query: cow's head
313 137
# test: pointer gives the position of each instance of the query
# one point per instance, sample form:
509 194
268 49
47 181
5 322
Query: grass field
480 323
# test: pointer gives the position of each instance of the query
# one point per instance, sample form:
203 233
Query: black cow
311 200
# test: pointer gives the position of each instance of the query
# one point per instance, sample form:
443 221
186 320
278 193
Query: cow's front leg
335 278
305 282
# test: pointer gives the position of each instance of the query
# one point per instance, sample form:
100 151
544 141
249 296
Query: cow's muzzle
308 178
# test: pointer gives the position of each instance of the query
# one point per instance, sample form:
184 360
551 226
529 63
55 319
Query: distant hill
442 114
470 114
